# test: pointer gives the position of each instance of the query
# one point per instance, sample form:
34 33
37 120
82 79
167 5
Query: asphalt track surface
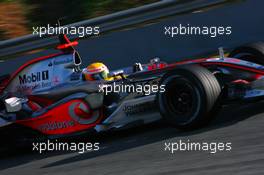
141 150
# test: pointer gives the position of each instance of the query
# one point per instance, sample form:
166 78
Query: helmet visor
99 76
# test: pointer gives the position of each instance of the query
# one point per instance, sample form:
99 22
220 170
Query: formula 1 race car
49 97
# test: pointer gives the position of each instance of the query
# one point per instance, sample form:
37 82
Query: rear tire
252 52
191 95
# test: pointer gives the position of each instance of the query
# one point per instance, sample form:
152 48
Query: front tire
191 95
252 52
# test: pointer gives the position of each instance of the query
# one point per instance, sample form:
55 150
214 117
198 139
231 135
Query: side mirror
155 60
137 67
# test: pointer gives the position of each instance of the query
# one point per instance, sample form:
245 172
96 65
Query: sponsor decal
62 61
34 77
75 77
56 80
139 108
56 125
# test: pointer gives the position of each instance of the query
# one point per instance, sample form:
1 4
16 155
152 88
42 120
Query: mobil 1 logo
34 77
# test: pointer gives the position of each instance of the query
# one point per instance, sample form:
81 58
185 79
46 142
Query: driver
96 71
99 71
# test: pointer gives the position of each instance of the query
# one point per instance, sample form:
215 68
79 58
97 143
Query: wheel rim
182 100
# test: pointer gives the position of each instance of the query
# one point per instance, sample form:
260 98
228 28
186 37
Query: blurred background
17 17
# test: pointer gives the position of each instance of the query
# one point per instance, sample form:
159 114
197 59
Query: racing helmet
96 71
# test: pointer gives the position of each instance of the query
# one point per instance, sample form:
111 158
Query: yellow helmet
96 71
